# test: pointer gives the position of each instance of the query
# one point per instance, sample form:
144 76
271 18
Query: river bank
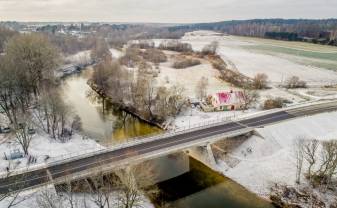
269 157
128 109
100 120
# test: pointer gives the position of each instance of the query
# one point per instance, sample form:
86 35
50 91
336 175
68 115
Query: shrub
295 82
131 57
154 55
273 103
175 45
143 44
183 63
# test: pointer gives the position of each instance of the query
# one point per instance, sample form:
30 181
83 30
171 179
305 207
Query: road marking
180 141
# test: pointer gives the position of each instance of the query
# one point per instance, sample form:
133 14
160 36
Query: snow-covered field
277 67
189 77
272 159
234 50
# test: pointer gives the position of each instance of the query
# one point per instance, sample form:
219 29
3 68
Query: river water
190 185
106 124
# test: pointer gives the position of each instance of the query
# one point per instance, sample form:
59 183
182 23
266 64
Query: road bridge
104 160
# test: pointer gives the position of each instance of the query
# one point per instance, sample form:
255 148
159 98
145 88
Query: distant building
226 101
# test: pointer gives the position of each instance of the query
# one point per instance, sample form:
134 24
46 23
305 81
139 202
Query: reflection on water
201 187
104 124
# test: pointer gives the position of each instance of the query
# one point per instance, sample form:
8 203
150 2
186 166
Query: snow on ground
194 117
250 62
293 96
42 146
272 159
277 69
233 50
189 77
115 53
80 57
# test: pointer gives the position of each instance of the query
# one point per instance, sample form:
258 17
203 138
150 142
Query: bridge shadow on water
202 187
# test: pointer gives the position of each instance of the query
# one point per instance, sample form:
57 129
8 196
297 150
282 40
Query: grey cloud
163 10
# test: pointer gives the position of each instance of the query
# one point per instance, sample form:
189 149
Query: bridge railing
140 140
106 164
115 146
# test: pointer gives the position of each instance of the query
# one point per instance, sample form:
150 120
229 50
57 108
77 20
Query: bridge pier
203 154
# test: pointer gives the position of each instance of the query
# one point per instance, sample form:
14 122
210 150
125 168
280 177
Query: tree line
29 92
317 31
136 90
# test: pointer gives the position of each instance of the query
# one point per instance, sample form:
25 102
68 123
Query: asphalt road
44 175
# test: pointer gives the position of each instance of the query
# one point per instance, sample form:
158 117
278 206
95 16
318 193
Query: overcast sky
165 11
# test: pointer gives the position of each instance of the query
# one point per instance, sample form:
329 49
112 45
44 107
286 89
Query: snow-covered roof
229 98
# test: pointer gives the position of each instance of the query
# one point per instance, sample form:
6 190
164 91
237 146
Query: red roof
230 98
224 97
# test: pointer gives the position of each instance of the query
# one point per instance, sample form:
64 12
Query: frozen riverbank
271 158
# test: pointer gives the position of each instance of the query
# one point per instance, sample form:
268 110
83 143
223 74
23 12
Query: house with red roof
226 101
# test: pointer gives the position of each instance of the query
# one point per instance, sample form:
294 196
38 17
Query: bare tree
14 96
13 197
177 101
210 49
23 136
28 64
310 150
5 35
322 165
133 182
53 115
201 88
76 125
34 58
250 97
112 80
100 51
49 199
328 166
260 81
299 156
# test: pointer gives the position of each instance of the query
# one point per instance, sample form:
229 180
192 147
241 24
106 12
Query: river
106 124
199 187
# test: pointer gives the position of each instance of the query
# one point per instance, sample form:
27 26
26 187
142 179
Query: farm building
226 101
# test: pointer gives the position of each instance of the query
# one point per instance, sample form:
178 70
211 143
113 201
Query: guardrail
115 146
107 167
